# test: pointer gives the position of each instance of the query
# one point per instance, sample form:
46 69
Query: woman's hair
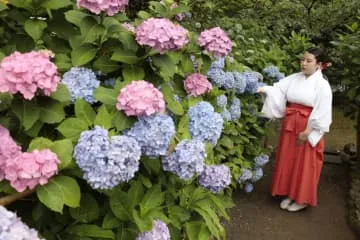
318 53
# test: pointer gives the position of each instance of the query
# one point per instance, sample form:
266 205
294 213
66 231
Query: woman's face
308 64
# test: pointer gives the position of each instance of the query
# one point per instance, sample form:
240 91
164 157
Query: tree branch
14 197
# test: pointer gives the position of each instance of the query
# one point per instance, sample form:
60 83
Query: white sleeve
321 116
275 99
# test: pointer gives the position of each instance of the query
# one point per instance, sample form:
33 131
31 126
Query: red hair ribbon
325 65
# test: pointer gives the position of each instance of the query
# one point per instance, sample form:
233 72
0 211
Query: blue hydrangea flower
217 77
215 177
226 115
176 98
186 160
194 62
92 147
252 79
81 83
271 71
235 109
153 133
258 174
229 80
279 76
110 82
245 175
221 101
218 63
261 160
12 228
261 84
240 82
248 187
205 124
159 232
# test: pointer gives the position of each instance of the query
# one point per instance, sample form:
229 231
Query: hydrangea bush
123 126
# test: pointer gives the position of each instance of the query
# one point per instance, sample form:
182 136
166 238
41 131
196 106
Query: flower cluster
140 98
252 81
226 115
235 109
221 101
245 175
261 160
258 174
186 160
205 124
215 41
215 177
8 150
11 227
111 7
81 83
273 72
161 34
27 72
194 62
153 134
30 169
197 84
249 187
159 232
106 164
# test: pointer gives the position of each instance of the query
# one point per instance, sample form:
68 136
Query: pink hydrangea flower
8 150
161 34
215 41
197 84
111 7
129 27
140 98
28 72
30 169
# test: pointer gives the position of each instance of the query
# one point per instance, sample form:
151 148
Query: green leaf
75 16
125 56
131 72
2 7
27 112
178 215
52 112
105 65
143 223
88 230
152 199
110 221
70 189
124 233
83 54
63 149
128 41
175 107
120 205
72 127
84 111
135 193
56 4
106 95
35 28
103 118
51 196
62 93
91 31
35 129
40 143
197 230
88 211
166 65
121 121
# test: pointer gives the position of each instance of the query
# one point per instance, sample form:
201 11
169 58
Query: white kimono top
313 91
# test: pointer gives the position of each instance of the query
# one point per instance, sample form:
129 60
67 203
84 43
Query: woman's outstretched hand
260 90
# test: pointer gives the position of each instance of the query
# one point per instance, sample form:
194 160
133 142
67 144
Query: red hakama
297 167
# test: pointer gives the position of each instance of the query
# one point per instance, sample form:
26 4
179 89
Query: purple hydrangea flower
12 228
246 175
81 83
271 71
225 114
205 124
261 160
215 177
186 160
153 133
252 79
249 187
258 174
159 232
218 63
240 82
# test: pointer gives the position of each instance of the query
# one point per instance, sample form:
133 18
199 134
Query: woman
304 101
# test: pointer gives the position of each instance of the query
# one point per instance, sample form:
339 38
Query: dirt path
257 216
